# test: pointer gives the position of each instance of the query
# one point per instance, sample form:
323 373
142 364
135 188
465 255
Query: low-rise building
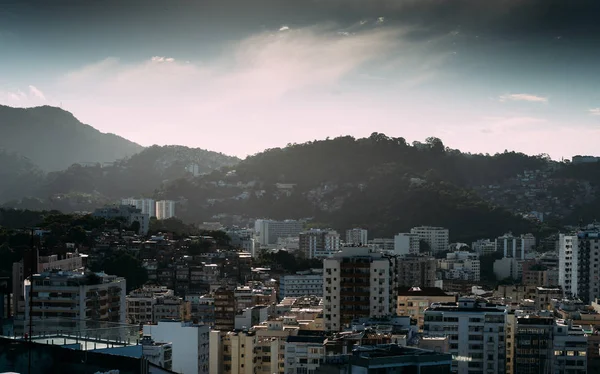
412 301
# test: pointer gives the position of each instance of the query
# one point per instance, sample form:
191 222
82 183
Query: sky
241 76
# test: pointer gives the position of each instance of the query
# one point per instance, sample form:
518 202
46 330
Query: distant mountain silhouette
53 139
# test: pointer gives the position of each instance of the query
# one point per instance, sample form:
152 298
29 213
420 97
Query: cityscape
299 187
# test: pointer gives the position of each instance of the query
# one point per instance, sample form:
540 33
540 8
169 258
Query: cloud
37 92
162 59
284 28
594 111
523 97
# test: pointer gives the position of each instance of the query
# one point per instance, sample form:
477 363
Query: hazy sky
239 76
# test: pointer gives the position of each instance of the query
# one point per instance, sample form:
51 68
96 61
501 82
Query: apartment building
304 353
416 271
190 344
140 303
406 244
579 264
233 352
477 334
357 283
356 236
146 206
438 238
165 209
546 345
484 247
301 284
319 243
268 231
413 301
73 301
225 309
515 246
130 213
460 265
160 354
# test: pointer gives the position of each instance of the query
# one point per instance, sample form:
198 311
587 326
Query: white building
301 284
461 266
484 247
190 344
477 334
268 231
357 284
160 354
438 238
165 209
579 255
147 206
356 236
568 260
319 243
383 244
406 243
129 213
515 246
304 354
67 301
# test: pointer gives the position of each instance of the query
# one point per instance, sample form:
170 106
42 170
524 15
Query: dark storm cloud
574 18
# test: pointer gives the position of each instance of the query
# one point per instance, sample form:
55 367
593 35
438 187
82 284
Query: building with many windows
356 236
73 301
413 301
406 243
305 283
147 206
319 243
515 246
358 283
416 271
579 264
268 231
477 334
438 238
165 209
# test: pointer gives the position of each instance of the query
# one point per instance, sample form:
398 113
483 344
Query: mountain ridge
54 139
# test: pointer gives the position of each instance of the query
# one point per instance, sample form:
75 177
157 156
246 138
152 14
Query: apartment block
515 246
438 238
413 301
319 243
357 283
268 231
477 334
406 244
165 209
416 271
72 301
301 284
356 236
190 344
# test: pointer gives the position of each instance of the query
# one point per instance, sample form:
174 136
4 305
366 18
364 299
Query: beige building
414 300
73 301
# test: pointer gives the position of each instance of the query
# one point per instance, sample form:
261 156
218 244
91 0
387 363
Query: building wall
438 238
165 209
190 344
301 285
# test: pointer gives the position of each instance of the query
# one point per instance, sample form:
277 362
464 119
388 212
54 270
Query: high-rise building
165 209
147 206
579 264
416 271
383 244
477 334
319 243
268 231
438 238
357 283
225 309
515 246
484 247
460 265
406 243
190 344
356 236
412 301
73 301
546 345
301 284
130 213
